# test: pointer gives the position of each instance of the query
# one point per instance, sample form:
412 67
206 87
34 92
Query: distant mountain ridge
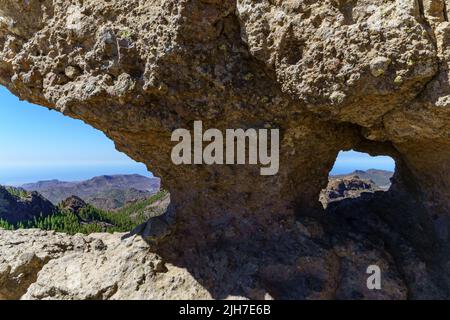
20 209
382 178
105 192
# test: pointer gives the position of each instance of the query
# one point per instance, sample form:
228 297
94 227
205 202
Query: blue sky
38 144
350 160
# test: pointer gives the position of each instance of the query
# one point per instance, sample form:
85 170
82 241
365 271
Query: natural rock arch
373 79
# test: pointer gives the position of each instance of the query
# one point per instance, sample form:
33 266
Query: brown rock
74 204
345 188
301 66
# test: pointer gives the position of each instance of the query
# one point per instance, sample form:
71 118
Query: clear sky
38 144
351 160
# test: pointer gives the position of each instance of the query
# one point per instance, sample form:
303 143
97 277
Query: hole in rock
355 173
57 173
346 9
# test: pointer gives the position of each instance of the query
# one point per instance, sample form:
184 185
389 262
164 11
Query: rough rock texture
381 178
333 75
346 187
14 209
37 264
104 266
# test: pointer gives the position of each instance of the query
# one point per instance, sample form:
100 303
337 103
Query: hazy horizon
37 144
23 175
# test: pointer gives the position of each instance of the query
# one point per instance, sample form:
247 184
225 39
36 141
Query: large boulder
37 264
330 74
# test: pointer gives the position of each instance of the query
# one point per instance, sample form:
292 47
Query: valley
81 211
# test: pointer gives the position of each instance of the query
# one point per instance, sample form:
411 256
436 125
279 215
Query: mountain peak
106 191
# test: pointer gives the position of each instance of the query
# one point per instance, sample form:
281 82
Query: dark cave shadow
296 262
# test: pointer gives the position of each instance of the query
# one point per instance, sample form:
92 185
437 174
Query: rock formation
73 204
382 178
14 208
330 74
346 187
38 264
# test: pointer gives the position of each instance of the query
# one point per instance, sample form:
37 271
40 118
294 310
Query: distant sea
348 165
17 175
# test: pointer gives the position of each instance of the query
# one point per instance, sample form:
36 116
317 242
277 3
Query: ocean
17 175
345 164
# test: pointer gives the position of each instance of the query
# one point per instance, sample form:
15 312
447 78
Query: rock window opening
58 173
355 173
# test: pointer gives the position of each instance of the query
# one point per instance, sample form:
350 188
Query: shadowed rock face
14 209
346 187
331 75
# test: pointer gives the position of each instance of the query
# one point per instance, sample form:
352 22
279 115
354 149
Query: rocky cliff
347 187
381 178
330 74
15 207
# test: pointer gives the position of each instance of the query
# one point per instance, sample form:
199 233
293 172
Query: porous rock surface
330 74
37 264
346 187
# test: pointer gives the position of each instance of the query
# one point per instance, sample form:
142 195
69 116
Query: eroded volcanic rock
330 74
39 264
345 188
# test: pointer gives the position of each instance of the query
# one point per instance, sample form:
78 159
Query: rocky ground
37 264
45 265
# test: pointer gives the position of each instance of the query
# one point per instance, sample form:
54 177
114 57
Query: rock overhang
332 75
